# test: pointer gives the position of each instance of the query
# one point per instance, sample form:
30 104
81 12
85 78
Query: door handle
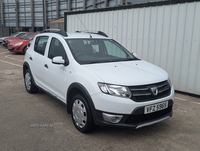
46 66
30 58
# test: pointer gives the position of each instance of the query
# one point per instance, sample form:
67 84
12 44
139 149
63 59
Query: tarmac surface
40 122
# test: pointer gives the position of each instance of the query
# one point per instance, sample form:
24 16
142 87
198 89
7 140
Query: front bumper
14 49
132 112
137 118
5 43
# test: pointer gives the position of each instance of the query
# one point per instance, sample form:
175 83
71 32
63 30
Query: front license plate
155 107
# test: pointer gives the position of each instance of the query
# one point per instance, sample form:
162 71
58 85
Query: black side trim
84 91
25 64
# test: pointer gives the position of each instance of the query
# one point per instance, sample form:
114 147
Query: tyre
28 81
81 114
24 50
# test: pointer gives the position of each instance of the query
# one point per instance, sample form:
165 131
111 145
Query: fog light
112 118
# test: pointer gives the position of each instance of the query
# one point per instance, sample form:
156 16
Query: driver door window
56 49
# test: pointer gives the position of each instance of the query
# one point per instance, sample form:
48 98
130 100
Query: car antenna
84 26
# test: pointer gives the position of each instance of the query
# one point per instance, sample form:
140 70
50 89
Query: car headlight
116 90
169 81
18 44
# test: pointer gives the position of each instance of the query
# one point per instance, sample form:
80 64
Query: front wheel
81 114
24 50
28 81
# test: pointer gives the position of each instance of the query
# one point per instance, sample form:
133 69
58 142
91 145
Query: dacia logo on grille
154 91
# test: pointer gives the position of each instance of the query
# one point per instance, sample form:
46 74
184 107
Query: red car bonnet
19 40
22 40
12 38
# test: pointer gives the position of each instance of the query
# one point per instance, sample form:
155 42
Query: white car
12 35
100 81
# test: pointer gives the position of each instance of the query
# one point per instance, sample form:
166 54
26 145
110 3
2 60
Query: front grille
134 119
11 48
144 93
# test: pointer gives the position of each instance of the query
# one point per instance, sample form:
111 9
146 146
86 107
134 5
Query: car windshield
22 35
29 36
87 51
12 35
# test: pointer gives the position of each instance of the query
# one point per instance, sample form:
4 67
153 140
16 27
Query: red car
10 39
21 44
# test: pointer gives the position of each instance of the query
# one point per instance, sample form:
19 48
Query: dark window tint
29 36
56 49
92 50
22 35
40 44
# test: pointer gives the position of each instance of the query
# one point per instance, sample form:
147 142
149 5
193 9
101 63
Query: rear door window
56 49
40 44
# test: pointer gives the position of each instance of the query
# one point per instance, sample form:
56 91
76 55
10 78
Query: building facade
35 15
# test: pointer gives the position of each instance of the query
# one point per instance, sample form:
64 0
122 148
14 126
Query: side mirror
60 60
134 54
29 44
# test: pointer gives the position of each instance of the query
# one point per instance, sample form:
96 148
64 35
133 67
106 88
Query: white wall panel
168 36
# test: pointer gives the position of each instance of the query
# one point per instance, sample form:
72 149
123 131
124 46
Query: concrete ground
40 122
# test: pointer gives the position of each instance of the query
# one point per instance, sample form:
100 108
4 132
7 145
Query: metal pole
2 18
69 5
121 2
84 4
94 4
57 9
44 14
106 3
32 16
17 15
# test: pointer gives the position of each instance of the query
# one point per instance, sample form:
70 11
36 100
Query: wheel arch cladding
25 67
77 88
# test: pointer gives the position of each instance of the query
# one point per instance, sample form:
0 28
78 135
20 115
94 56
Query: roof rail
58 31
93 32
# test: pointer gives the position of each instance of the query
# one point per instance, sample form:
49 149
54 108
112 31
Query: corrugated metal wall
168 36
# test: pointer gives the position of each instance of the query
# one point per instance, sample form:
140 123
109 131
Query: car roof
84 35
75 35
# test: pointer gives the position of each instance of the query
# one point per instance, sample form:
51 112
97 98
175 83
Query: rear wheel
81 114
28 81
